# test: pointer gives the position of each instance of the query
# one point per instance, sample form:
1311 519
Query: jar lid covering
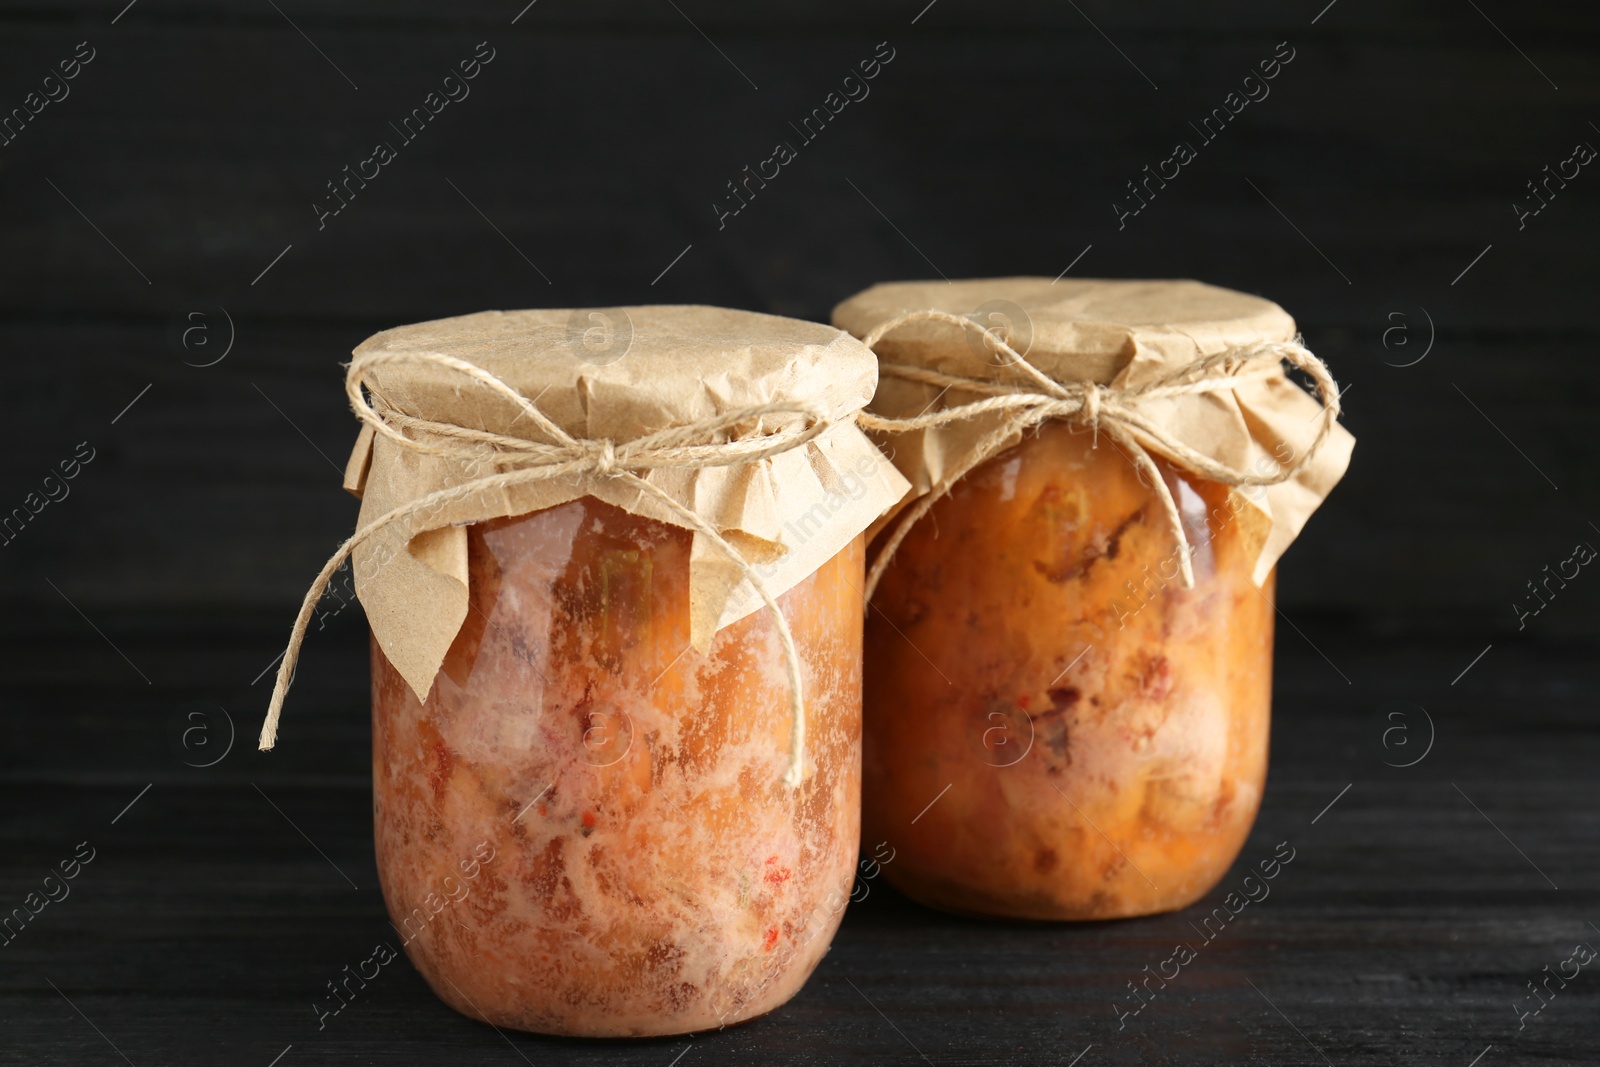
1130 337
608 377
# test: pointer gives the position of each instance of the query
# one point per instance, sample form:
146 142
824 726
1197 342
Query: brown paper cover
677 364
1117 333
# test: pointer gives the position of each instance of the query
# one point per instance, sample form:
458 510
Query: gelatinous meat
583 830
1102 731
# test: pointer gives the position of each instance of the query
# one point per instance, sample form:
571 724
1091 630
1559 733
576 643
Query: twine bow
695 445
1116 412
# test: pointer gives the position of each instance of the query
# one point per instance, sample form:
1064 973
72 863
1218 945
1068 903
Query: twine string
691 446
1038 398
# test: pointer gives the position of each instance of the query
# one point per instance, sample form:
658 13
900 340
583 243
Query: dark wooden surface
1403 931
187 158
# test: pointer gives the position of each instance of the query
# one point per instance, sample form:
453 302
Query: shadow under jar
1096 735
583 830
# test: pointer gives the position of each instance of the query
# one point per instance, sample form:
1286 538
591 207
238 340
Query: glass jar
1055 728
583 830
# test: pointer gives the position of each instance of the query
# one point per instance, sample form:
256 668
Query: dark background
178 178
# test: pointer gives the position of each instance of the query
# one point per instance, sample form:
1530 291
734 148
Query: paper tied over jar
1122 335
613 375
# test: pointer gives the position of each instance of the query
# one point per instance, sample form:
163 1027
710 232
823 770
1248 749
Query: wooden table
1420 901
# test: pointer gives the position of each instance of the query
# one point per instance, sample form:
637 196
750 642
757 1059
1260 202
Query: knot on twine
1091 410
605 457
730 439
1038 398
